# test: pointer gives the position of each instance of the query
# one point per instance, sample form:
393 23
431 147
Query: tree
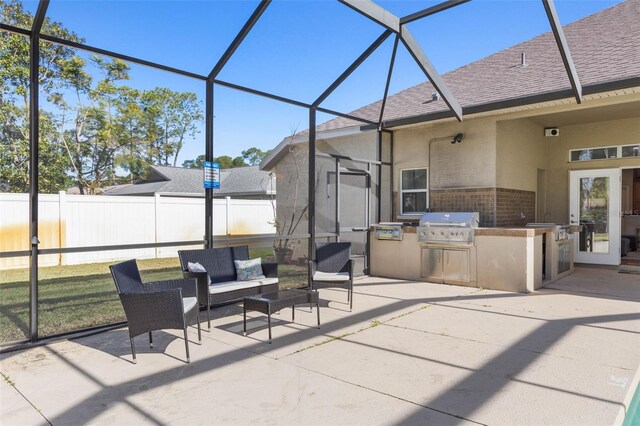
171 117
99 125
254 156
238 162
14 104
226 162
197 163
249 157
100 130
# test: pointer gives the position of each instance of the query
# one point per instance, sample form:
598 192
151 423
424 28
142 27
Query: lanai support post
34 136
208 192
312 182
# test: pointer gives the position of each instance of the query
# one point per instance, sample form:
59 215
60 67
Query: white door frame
612 257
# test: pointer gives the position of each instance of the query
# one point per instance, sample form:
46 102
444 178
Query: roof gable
240 181
604 47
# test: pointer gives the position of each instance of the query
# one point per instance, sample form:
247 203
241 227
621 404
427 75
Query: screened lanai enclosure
82 117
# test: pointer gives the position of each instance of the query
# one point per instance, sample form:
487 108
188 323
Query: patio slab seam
10 382
497 310
374 323
500 310
452 336
379 392
621 406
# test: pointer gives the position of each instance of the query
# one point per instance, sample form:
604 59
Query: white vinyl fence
97 220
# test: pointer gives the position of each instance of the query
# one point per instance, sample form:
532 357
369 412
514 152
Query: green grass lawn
81 296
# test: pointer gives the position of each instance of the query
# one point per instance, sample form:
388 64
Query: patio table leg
318 309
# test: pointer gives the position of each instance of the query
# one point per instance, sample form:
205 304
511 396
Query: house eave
274 156
499 107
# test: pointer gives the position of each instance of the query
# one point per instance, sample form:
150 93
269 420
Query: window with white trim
414 194
604 153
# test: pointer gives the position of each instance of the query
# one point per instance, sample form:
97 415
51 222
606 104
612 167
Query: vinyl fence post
226 214
62 224
156 219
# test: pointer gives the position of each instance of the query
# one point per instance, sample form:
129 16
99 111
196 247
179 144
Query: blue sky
296 50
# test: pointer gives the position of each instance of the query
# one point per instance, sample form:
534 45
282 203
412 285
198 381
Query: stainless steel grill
445 227
448 251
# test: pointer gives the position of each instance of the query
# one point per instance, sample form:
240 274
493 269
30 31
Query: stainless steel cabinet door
456 265
564 257
432 264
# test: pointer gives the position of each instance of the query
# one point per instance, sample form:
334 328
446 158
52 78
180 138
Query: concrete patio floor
409 353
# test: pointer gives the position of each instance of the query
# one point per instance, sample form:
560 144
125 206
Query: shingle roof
239 181
604 47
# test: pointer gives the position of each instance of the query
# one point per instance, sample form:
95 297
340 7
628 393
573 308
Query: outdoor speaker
552 131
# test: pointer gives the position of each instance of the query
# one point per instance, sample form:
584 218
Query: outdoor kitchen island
509 259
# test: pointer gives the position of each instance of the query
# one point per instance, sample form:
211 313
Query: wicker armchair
332 267
159 305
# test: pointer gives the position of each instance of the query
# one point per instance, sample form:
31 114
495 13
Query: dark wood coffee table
269 303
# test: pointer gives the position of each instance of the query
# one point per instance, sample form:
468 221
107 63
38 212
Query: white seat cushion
224 287
331 276
188 303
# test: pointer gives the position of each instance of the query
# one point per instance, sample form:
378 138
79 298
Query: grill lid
458 219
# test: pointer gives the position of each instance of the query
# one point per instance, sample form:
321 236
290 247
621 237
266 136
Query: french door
594 197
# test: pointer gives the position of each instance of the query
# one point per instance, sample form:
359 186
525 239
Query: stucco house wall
468 164
521 152
293 194
520 159
462 176
494 170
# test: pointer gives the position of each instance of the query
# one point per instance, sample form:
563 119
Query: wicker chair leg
209 314
351 298
150 340
186 345
133 350
316 290
199 333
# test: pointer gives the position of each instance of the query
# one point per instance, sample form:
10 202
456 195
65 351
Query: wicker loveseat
219 284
